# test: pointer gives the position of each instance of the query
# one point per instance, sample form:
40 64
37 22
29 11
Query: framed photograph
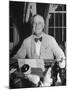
37 44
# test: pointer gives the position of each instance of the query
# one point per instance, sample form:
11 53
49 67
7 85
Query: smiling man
39 45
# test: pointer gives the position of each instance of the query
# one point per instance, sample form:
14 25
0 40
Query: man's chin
38 34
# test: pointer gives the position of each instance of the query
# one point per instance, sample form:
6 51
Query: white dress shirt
38 45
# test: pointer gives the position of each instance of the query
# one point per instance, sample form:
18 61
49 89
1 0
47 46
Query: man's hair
32 19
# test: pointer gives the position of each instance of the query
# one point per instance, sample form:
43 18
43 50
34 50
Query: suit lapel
42 48
33 48
43 45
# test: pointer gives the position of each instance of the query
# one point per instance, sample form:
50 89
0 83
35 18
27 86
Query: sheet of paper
34 63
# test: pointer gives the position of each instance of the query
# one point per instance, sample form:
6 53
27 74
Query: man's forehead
38 19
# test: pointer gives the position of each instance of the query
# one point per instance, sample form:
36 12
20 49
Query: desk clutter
25 73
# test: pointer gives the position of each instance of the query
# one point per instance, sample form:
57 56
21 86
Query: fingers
62 64
47 78
34 78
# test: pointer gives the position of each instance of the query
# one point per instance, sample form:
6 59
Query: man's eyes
37 23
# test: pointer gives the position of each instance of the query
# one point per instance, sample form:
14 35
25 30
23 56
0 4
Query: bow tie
36 39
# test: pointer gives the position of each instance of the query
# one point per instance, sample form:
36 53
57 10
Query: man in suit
40 45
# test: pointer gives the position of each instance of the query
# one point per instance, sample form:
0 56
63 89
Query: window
57 23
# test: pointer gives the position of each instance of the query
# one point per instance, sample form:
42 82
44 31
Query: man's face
37 26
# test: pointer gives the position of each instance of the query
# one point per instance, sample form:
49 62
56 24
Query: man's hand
62 63
47 78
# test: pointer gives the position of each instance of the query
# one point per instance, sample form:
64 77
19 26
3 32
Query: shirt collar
39 36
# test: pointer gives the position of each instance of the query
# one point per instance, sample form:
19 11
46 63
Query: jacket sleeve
22 51
58 52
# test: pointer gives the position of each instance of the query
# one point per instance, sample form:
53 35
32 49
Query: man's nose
37 24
